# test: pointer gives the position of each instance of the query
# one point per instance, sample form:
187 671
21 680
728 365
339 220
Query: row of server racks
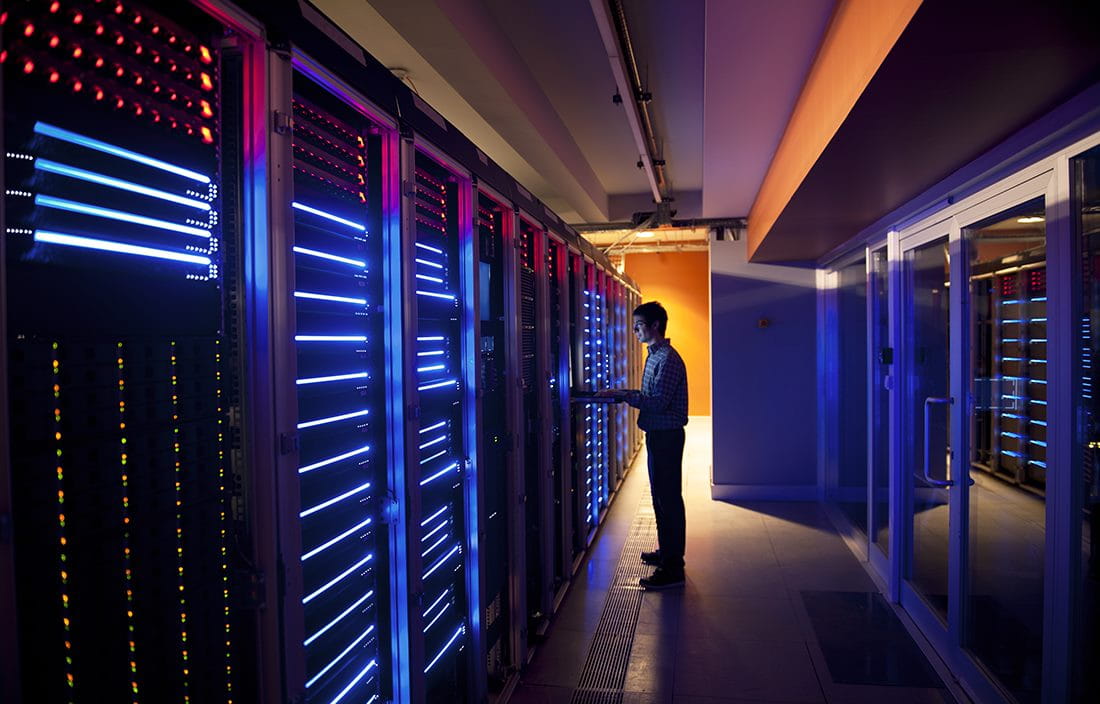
286 407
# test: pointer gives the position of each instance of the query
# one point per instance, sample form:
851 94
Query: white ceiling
529 82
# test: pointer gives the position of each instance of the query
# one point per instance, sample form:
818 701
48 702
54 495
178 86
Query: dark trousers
665 449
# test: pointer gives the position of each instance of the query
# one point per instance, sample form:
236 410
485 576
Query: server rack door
561 476
580 413
600 374
499 481
337 543
537 492
121 248
442 496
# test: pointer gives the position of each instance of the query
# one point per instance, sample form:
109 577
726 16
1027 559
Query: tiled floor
740 630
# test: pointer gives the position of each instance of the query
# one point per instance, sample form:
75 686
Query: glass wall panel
927 343
1008 319
850 492
1086 216
882 364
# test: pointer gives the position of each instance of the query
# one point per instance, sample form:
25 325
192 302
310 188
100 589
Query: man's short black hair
653 312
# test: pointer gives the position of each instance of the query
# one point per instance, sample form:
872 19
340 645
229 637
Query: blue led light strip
436 602
327 297
370 666
330 257
333 460
437 455
425 262
436 385
436 441
334 500
117 247
437 617
442 560
110 181
439 474
460 631
430 428
335 580
48 130
432 368
437 543
432 517
332 419
340 657
330 338
336 377
447 296
96 211
430 248
330 543
329 216
432 532
336 620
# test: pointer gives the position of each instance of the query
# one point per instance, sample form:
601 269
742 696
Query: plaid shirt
663 400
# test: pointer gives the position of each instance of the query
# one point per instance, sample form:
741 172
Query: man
663 404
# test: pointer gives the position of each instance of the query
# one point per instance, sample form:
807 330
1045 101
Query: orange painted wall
681 282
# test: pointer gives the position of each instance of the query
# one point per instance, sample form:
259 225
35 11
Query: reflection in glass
1086 207
850 492
927 271
1008 350
881 361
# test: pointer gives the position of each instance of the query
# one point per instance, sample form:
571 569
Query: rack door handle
928 403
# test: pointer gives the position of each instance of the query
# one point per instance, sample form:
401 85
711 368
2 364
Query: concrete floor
740 630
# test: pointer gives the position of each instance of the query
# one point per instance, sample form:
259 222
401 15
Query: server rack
558 300
333 363
499 480
319 265
537 493
122 248
1010 340
441 494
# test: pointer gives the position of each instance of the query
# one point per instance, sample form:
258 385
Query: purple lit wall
764 377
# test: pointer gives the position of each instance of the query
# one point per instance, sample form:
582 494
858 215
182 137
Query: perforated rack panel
496 509
1020 354
121 373
442 457
341 399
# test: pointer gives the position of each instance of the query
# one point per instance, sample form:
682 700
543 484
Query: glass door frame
1048 180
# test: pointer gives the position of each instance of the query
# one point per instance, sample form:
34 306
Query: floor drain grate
604 671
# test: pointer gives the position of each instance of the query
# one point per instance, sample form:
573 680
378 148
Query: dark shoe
652 558
662 579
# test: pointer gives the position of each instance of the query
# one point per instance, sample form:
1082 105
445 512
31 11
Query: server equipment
343 548
496 457
1010 341
121 240
286 375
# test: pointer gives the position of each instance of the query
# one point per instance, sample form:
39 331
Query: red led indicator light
3 56
207 135
3 18
207 111
204 55
77 86
99 94
28 30
28 66
54 7
207 82
54 76
78 17
77 52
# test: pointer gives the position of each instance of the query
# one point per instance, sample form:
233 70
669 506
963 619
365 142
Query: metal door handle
928 402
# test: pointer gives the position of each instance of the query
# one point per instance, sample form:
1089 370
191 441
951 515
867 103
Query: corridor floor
776 609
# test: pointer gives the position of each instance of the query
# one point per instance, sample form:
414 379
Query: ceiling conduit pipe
616 43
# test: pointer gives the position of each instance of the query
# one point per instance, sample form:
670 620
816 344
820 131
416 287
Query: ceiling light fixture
1030 219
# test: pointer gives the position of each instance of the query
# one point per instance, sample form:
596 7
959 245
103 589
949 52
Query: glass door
927 406
972 347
